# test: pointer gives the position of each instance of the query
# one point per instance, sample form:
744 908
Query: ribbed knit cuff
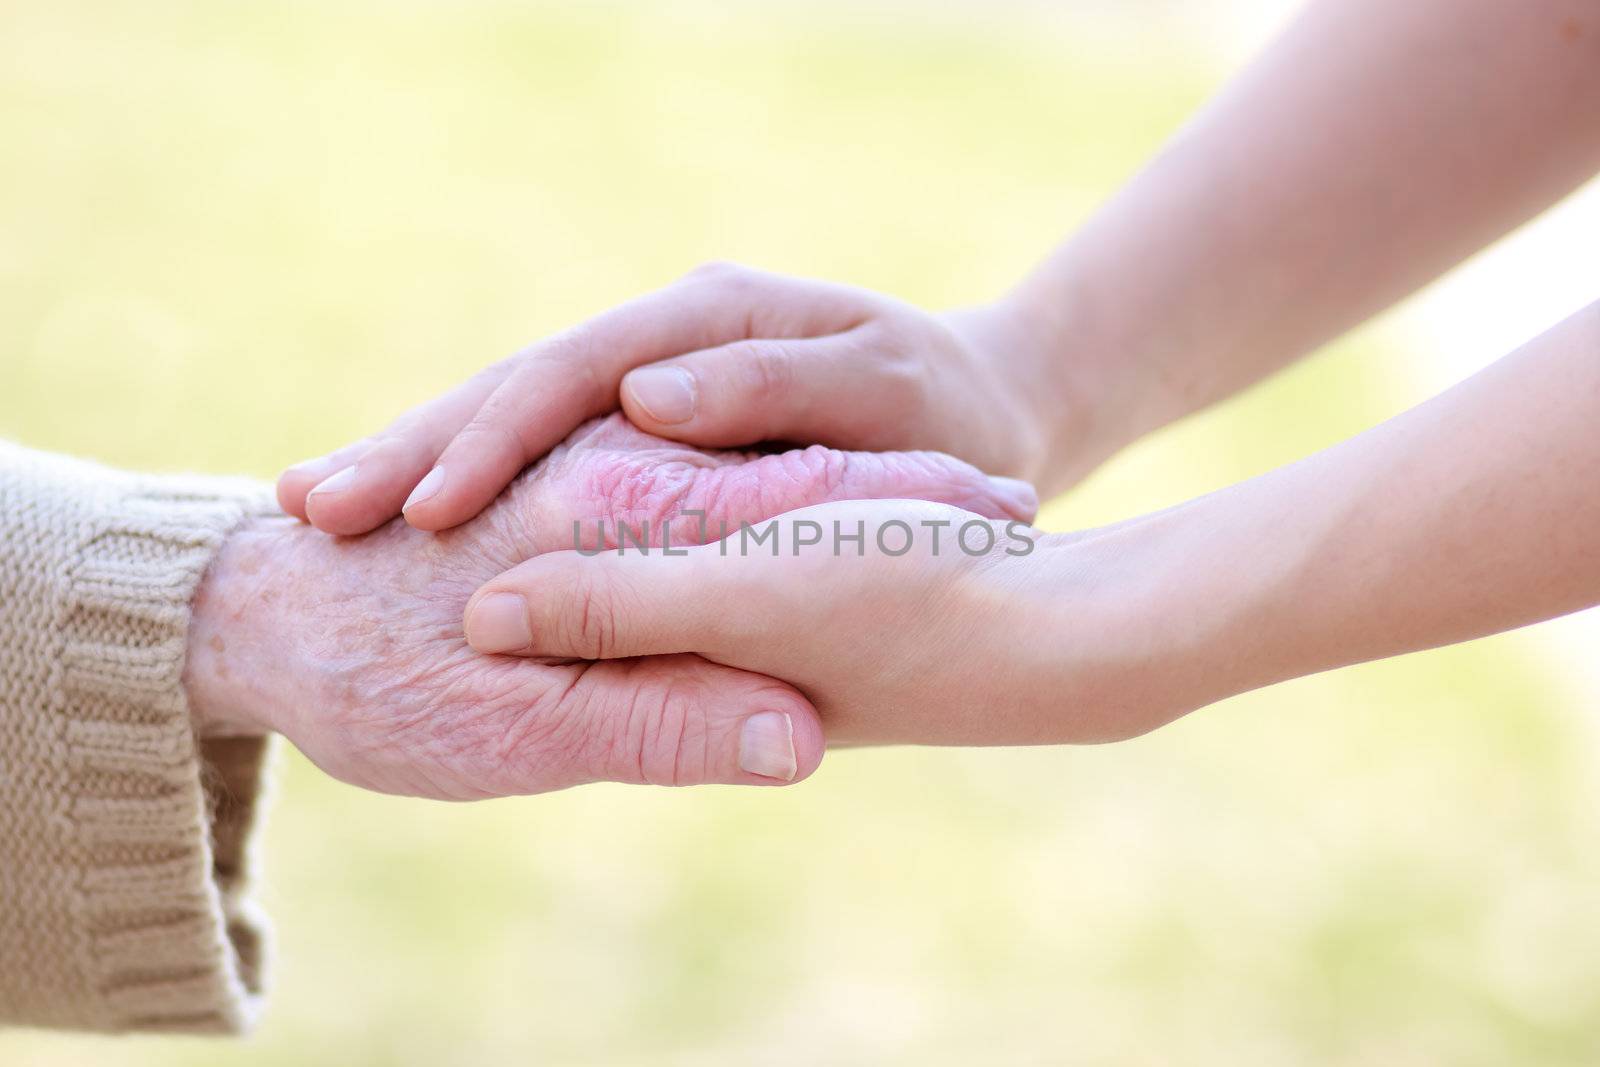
173 942
127 898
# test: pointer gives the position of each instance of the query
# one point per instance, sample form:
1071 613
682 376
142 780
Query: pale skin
352 648
1471 514
1370 148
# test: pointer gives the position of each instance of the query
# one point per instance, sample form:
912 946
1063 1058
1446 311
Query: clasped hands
461 646
469 649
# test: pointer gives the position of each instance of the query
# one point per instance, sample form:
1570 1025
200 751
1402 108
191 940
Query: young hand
1470 514
901 621
727 356
1296 205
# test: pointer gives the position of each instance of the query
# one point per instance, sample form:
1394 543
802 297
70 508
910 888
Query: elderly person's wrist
231 686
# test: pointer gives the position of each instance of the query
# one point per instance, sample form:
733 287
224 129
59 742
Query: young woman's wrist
1141 630
1078 383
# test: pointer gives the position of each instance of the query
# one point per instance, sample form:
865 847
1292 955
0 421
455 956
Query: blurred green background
232 236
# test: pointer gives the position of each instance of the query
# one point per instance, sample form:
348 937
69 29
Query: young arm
1474 513
1372 146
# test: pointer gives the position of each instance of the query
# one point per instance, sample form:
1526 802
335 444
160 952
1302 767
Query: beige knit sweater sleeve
124 870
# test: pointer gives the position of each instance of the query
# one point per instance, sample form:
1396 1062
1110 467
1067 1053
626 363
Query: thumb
822 389
609 606
679 720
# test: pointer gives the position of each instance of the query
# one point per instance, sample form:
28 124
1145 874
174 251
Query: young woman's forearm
1371 147
907 622
1475 513
1375 144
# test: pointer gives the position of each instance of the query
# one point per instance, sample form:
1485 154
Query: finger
366 492
611 605
295 482
834 390
734 601
679 720
788 481
633 496
575 375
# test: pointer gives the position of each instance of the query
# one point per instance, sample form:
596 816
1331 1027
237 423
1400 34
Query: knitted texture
124 873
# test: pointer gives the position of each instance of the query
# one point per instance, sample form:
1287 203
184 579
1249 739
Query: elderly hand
736 357
353 648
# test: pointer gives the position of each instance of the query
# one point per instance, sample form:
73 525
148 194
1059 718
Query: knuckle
498 370
731 280
656 734
947 480
772 485
895 334
925 476
572 353
818 473
588 626
713 495
575 343
536 746
467 742
901 382
898 366
672 748
399 447
490 435
730 496
768 369
568 740
716 269
640 495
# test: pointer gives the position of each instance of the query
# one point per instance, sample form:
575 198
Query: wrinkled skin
353 648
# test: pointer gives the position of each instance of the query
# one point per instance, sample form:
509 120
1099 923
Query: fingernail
766 746
665 393
499 623
336 484
425 489
1019 496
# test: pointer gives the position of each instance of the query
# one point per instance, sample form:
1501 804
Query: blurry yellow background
233 236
